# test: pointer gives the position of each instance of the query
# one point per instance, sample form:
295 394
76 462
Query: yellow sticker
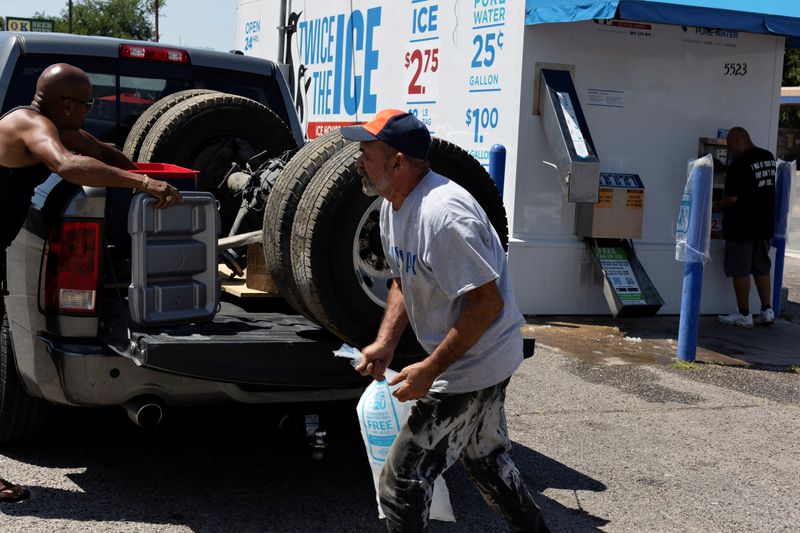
635 199
606 198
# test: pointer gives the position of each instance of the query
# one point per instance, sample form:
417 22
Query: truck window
123 89
138 93
116 106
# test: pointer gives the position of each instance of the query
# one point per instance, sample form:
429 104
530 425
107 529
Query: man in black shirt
748 224
45 137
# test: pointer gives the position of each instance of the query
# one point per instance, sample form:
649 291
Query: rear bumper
253 358
94 375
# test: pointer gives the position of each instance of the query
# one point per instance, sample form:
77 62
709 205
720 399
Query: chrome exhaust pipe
145 412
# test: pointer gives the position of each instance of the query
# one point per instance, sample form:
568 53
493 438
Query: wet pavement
603 340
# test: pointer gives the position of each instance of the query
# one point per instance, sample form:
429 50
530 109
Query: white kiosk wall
464 84
648 92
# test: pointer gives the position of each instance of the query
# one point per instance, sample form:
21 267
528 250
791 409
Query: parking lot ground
608 433
651 447
616 437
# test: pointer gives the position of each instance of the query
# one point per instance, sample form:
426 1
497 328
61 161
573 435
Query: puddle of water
601 343
600 340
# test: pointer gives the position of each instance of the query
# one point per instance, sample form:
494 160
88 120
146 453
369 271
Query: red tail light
153 53
72 268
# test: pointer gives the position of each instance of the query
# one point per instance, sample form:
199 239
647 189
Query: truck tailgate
268 349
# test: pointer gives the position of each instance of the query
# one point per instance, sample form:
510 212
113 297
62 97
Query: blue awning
777 17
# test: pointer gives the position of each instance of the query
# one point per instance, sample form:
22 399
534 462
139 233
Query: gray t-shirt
441 245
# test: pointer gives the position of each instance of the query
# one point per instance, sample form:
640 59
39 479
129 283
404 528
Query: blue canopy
778 17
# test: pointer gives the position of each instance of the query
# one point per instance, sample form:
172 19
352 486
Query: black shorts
743 258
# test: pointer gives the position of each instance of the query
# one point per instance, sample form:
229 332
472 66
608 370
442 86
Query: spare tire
209 133
338 264
140 129
282 205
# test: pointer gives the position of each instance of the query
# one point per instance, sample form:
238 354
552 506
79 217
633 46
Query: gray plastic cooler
174 277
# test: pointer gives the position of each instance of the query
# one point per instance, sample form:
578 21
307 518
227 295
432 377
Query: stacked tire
321 233
322 236
209 131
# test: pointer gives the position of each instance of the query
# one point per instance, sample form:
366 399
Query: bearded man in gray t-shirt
451 284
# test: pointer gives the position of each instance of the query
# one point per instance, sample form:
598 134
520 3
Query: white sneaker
765 318
736 319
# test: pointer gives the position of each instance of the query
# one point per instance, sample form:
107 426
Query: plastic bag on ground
380 417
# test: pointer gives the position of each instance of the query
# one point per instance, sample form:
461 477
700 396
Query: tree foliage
790 116
791 67
125 19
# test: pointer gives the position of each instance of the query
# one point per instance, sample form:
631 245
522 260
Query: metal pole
69 18
783 189
497 166
702 177
156 8
282 32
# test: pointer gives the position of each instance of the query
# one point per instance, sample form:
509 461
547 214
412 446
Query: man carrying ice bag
381 416
451 283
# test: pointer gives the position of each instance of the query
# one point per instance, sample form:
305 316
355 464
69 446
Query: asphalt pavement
620 440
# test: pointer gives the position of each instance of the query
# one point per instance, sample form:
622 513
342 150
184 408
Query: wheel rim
369 263
215 157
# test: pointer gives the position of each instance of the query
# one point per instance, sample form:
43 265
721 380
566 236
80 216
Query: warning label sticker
606 199
635 199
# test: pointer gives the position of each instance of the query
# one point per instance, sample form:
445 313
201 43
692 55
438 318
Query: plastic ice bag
380 417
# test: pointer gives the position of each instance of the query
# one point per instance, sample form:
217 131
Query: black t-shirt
751 179
17 189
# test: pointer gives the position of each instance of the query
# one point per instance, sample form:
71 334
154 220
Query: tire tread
21 415
140 129
281 210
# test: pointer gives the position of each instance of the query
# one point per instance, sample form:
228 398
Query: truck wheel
282 206
338 263
141 127
209 133
21 415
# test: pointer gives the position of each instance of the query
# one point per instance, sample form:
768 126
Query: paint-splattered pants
440 429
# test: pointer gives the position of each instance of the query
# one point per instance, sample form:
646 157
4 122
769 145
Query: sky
195 23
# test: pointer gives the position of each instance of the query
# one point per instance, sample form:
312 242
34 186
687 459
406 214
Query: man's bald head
739 134
739 141
62 79
59 90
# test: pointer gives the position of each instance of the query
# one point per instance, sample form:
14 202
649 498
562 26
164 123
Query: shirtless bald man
46 137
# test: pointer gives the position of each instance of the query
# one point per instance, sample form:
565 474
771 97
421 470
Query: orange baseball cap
401 130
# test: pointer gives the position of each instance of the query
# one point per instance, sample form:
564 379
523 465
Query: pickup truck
229 117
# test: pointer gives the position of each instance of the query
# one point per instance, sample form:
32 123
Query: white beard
373 189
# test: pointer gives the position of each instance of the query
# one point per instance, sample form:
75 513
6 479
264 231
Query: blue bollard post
780 251
696 241
783 189
497 165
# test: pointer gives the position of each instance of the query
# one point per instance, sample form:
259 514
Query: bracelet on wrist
143 184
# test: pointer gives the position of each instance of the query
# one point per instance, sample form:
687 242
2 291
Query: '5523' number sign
735 69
